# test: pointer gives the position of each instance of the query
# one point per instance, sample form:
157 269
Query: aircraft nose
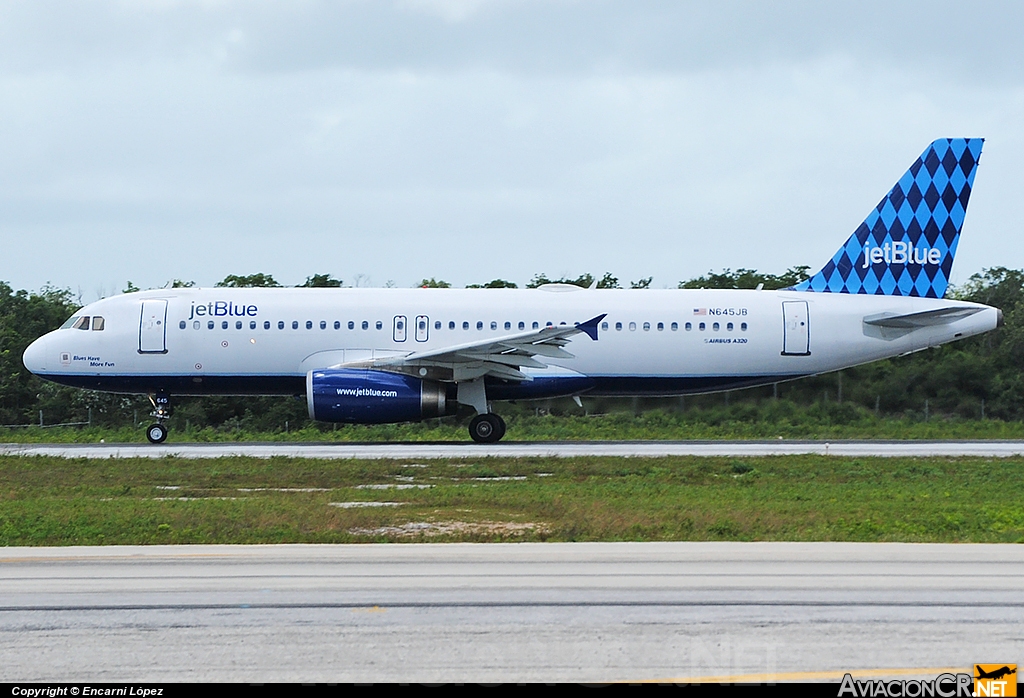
34 357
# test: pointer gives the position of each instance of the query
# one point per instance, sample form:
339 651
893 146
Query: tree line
980 377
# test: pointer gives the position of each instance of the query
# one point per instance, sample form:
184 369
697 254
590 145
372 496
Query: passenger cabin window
632 327
535 326
618 326
224 325
323 324
351 324
451 324
604 326
309 324
522 325
508 325
465 325
743 326
437 324
181 325
295 324
266 324
280 324
494 325
479 325
337 324
366 325
675 326
661 326
647 327
97 324
238 324
210 325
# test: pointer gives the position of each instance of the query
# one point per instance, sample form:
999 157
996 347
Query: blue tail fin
906 245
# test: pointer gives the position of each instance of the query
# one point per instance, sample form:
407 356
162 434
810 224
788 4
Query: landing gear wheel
156 433
486 428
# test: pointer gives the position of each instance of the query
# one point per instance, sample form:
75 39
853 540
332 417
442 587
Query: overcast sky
467 140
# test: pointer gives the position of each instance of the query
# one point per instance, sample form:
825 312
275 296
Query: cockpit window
97 323
82 324
70 322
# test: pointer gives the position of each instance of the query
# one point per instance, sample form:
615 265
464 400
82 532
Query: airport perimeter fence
43 425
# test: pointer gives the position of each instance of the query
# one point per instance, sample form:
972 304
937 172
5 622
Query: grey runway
522 449
594 612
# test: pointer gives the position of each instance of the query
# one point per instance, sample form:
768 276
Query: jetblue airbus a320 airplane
373 356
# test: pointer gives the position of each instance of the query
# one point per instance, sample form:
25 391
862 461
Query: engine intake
364 396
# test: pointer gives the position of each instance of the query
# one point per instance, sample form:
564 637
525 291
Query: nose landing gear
157 433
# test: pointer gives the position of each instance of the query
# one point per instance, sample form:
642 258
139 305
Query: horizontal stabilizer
927 318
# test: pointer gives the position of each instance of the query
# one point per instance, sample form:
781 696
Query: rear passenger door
796 329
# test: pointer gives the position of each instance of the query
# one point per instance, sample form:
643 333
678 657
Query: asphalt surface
523 449
595 612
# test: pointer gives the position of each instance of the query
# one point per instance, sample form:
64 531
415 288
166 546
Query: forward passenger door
153 327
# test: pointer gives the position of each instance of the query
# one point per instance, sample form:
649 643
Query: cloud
472 140
531 36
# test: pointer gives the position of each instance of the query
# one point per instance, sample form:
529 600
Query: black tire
156 433
486 428
501 427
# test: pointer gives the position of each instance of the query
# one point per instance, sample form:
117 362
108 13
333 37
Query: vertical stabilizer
906 245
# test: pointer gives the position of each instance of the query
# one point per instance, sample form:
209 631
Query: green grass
769 420
54 501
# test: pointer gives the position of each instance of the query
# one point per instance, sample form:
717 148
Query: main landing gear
157 433
487 428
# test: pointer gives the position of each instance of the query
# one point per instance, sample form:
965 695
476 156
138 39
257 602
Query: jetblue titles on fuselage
221 309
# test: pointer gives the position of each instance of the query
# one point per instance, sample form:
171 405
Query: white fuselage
651 342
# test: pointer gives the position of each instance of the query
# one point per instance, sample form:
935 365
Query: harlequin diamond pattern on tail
906 245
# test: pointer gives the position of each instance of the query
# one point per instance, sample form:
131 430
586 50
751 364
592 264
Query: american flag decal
700 311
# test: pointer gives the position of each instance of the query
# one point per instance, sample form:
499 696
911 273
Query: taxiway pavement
523 449
594 612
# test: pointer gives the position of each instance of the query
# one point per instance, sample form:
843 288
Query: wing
500 357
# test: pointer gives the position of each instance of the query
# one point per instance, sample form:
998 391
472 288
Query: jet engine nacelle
364 396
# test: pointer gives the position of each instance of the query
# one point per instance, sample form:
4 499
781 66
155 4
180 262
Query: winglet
590 326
